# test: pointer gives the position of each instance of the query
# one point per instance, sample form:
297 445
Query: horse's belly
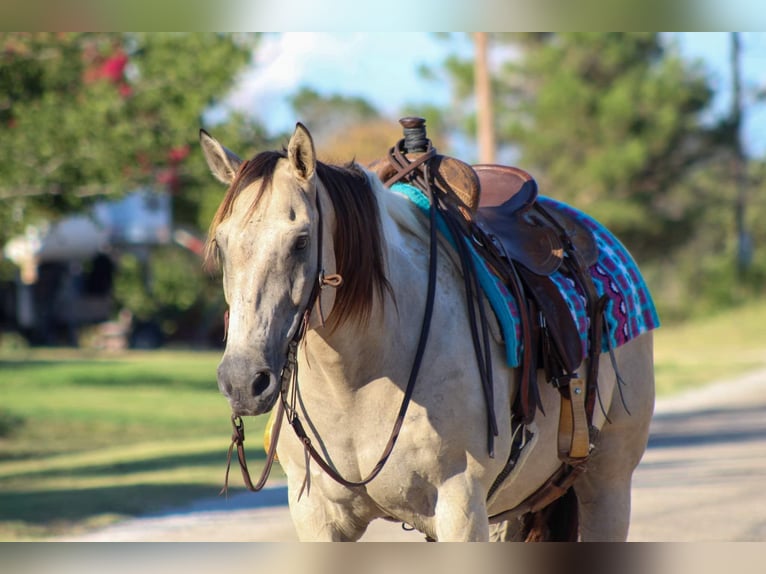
539 458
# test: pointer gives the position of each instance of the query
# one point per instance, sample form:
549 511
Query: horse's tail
557 522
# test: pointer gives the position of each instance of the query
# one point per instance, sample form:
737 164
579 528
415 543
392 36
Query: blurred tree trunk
744 248
485 131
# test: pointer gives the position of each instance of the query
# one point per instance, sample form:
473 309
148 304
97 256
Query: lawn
87 439
93 438
710 349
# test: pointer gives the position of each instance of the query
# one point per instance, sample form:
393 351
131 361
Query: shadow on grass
16 365
44 507
110 373
158 464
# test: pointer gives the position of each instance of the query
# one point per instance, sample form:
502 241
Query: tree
88 115
739 159
620 126
329 114
345 128
608 122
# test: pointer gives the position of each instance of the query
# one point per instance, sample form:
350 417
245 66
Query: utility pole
483 89
744 241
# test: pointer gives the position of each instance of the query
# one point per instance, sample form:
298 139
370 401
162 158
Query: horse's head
265 237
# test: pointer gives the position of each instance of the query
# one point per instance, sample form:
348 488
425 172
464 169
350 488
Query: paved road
702 479
703 476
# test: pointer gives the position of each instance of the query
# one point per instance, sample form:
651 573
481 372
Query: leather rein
289 376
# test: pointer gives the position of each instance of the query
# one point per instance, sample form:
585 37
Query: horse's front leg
318 518
461 511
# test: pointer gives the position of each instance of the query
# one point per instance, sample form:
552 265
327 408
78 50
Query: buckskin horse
351 315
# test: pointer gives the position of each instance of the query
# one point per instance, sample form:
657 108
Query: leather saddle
524 243
530 236
502 201
537 239
537 242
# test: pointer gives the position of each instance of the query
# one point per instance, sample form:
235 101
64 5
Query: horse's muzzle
250 391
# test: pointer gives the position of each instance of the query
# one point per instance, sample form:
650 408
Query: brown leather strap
290 369
431 182
238 440
407 169
553 489
577 266
424 331
573 433
478 326
528 399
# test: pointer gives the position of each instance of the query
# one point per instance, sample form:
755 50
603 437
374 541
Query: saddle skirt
630 310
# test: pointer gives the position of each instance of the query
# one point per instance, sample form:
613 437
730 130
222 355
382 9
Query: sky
383 68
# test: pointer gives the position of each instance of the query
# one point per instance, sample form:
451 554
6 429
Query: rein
289 375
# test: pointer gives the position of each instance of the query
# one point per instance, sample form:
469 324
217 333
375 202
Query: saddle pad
629 312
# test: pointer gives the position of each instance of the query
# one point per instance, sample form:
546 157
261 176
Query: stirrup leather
574 432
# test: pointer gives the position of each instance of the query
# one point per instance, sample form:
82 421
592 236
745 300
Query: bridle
289 391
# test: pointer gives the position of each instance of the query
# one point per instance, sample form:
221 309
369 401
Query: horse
329 252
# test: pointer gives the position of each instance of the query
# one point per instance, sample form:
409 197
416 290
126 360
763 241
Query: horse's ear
300 152
223 162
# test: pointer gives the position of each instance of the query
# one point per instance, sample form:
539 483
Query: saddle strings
407 169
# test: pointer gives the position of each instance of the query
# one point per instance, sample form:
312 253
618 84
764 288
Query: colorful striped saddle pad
629 312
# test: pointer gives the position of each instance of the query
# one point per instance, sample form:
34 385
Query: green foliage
612 126
86 115
326 115
612 123
701 276
164 286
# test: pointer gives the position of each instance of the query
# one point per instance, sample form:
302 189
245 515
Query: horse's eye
301 243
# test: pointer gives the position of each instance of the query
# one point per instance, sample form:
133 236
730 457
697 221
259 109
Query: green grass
710 349
87 439
97 438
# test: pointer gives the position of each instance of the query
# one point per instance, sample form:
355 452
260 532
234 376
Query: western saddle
523 243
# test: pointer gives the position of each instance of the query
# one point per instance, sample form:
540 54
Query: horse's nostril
260 383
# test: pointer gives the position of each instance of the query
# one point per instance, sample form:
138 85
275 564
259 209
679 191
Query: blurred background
105 200
110 329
